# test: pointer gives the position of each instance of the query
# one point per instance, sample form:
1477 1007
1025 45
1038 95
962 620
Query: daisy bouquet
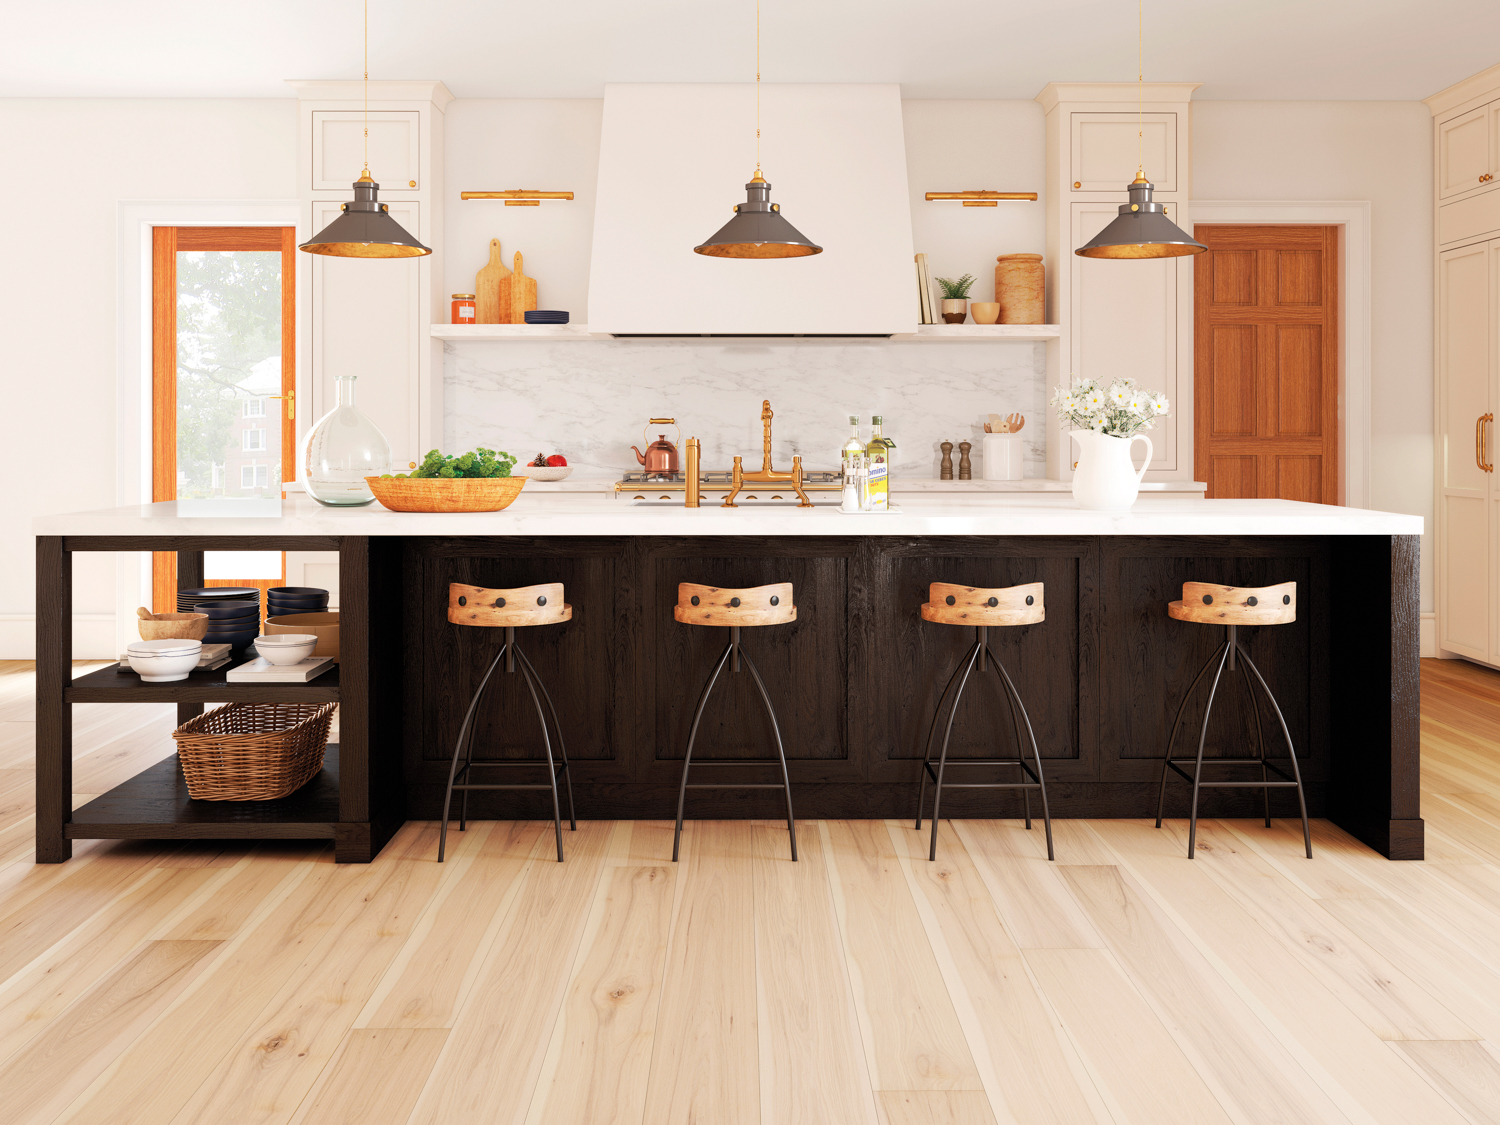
1116 409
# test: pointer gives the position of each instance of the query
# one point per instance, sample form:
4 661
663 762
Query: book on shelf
924 291
262 671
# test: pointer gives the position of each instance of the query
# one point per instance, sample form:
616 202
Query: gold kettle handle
646 433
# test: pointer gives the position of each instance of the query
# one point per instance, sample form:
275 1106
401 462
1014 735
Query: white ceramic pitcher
1105 479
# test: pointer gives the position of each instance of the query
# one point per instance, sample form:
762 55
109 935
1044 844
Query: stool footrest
735 762
734 786
1288 779
476 785
992 785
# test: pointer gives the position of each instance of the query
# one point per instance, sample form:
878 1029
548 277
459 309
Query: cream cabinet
1468 150
1119 318
395 150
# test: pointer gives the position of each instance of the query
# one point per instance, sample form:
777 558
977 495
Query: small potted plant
956 298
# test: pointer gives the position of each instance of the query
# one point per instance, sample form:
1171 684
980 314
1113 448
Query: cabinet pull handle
1489 466
1479 442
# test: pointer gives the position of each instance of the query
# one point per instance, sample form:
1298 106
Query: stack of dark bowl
284 600
233 613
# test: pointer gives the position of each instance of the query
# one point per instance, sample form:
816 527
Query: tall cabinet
1131 319
370 317
1466 193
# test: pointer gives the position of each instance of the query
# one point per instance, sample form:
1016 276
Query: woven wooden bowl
174 627
446 494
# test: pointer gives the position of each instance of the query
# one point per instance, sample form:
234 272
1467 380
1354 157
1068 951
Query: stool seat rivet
1029 600
542 600
1286 599
695 599
499 603
1252 600
949 599
775 600
1208 599
996 601
463 600
735 602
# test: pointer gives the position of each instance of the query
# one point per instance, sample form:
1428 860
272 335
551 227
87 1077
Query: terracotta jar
1020 290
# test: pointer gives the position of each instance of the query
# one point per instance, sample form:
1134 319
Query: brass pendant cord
367 89
757 88
1140 88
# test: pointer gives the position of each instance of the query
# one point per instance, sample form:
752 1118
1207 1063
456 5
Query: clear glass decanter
341 450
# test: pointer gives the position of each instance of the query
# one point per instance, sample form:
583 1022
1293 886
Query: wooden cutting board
522 292
492 290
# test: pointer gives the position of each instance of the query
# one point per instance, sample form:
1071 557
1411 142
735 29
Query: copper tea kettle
661 454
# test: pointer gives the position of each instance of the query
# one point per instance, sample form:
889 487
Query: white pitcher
1105 479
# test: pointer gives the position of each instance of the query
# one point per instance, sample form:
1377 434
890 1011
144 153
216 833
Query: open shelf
154 805
921 333
120 685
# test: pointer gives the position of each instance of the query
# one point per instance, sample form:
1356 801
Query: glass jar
464 310
341 450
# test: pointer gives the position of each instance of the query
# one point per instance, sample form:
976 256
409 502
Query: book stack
262 671
213 656
924 292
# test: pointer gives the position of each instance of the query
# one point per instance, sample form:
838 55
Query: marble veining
590 401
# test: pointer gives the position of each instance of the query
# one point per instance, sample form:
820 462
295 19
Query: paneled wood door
1266 362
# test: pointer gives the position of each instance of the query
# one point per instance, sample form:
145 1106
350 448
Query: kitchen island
854 678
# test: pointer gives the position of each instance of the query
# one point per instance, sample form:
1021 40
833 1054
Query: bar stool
737 609
968 605
510 610
1207 604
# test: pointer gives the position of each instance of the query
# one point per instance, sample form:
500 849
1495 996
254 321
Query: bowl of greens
478 481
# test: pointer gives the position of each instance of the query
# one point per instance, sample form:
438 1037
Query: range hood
673 159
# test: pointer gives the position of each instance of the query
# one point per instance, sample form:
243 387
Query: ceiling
1270 49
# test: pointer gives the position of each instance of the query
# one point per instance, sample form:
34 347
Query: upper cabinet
1467 150
1108 148
338 149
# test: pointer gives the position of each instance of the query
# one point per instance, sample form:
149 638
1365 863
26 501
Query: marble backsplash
590 400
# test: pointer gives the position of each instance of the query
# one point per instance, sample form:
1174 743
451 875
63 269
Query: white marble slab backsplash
590 400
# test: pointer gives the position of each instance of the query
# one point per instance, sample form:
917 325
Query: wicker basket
253 751
446 494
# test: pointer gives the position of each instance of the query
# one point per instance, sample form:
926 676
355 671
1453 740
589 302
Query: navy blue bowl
233 640
296 592
218 592
546 316
320 600
221 610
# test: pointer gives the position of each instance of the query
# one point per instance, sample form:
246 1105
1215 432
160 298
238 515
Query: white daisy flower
1119 393
1160 405
1097 425
1136 404
1093 399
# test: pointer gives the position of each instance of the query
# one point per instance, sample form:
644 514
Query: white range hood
673 162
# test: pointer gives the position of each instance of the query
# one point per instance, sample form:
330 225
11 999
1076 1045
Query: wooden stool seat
528 605
970 605
1208 604
758 605
1205 603
510 610
981 608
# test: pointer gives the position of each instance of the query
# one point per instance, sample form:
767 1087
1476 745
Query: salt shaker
850 496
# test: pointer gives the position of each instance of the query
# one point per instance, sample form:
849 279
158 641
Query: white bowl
159 669
540 472
286 648
169 646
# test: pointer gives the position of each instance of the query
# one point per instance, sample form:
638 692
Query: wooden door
223 412
1266 362
1465 156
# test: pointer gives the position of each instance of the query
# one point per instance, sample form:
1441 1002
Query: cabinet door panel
1463 365
1124 323
1108 148
338 149
1463 151
1464 584
367 322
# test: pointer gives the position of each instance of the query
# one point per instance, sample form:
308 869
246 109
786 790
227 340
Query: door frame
1354 314
135 220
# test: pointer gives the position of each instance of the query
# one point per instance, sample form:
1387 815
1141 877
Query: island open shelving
353 801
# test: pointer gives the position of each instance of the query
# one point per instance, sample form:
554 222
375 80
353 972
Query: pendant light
758 229
365 229
1142 229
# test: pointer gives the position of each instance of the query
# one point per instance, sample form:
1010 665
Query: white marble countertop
565 513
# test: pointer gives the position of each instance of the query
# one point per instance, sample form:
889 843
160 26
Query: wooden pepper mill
965 470
945 466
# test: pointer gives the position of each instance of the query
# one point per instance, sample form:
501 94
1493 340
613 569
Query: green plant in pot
956 298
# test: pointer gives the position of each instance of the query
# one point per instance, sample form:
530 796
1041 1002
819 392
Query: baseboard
1427 632
93 636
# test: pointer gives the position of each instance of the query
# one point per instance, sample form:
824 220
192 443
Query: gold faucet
766 474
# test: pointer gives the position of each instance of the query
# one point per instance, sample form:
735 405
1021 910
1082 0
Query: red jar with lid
464 311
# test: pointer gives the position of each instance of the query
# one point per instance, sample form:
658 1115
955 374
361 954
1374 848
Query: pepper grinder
945 467
965 470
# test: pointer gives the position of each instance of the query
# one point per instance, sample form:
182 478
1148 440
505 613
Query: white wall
1376 151
72 162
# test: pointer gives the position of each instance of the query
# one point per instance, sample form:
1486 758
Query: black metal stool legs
736 652
459 776
1228 655
978 652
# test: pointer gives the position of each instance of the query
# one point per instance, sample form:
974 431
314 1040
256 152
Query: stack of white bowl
284 649
159 662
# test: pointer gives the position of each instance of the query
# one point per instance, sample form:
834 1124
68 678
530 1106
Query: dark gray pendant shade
1142 230
758 230
365 230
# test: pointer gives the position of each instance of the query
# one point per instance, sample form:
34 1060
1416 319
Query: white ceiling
1266 49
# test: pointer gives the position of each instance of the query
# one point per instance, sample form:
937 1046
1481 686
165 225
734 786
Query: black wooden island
854 678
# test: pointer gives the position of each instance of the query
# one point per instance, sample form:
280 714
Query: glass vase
341 450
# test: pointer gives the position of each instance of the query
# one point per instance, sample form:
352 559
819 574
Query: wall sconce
980 198
520 197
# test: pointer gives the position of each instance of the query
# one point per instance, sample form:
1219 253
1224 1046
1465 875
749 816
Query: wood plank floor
147 983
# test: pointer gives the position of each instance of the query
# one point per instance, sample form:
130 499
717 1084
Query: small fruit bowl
542 472
286 648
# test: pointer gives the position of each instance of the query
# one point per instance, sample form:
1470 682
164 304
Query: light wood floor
142 983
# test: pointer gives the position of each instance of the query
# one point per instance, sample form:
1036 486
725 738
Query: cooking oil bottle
878 456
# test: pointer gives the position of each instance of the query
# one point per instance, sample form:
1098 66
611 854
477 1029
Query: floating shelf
920 334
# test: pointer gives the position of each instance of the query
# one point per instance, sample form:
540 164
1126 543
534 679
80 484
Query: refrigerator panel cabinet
338 149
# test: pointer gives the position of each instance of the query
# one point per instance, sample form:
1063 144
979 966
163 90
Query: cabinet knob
411 183
411 464
1077 184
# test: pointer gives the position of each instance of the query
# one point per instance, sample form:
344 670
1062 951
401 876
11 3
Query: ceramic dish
296 592
214 593
163 661
174 627
544 472
237 608
295 605
286 648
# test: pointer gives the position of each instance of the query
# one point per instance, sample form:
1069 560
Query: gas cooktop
648 488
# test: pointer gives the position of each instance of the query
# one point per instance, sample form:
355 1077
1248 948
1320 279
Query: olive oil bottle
878 454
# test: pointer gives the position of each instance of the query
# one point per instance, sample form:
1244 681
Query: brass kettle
661 455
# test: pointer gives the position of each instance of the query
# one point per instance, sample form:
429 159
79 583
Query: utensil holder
1002 457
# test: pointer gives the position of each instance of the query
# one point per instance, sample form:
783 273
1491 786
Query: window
255 408
254 476
253 439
